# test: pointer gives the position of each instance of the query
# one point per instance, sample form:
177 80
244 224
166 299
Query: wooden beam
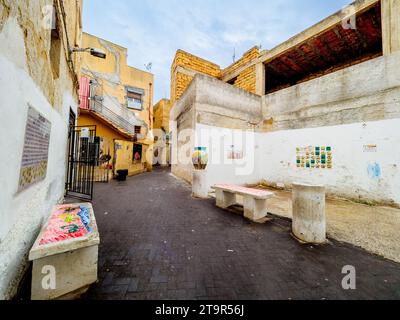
301 53
287 62
316 30
316 51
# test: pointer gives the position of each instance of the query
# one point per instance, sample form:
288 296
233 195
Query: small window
138 130
135 100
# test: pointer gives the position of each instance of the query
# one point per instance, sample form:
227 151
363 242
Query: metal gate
83 155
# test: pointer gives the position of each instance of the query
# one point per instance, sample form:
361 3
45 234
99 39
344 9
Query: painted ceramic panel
314 157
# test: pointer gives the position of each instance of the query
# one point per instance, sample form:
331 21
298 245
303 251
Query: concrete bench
255 201
65 254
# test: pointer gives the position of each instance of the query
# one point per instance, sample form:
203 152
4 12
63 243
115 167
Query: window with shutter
134 99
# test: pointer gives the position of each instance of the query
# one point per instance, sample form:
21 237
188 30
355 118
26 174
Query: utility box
65 254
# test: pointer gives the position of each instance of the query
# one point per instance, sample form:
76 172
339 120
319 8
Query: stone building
325 110
118 100
162 132
38 101
242 73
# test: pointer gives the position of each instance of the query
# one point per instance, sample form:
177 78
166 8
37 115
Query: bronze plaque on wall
36 150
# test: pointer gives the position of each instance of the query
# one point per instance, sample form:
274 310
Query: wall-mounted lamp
93 51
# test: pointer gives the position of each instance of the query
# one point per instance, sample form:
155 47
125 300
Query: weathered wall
366 92
347 110
184 68
355 111
240 74
102 130
183 126
125 161
356 174
161 115
209 103
26 78
219 143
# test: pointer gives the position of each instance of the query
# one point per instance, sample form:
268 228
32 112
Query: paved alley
159 243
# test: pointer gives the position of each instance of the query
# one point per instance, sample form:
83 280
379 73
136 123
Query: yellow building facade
119 100
162 131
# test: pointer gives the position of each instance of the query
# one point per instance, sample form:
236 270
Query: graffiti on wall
314 157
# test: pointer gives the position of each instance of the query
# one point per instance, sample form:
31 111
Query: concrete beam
260 79
390 26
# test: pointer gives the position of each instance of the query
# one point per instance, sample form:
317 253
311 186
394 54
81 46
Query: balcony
125 125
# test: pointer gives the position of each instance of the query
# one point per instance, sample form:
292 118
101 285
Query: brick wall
183 69
186 65
246 79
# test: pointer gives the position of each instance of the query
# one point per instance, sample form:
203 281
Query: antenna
234 55
148 66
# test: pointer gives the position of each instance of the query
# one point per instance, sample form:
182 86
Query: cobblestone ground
159 243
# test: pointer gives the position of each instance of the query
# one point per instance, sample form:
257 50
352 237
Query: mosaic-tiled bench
255 200
65 254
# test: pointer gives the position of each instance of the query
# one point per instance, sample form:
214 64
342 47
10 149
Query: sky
153 30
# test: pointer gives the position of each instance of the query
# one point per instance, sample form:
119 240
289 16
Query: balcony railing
112 117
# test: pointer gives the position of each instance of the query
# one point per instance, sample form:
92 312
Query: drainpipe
150 94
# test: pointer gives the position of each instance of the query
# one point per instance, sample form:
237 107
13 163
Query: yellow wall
161 115
246 79
114 75
185 66
103 131
181 80
124 158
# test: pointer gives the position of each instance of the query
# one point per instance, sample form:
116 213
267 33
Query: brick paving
159 243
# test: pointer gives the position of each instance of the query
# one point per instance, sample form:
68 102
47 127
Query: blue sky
153 30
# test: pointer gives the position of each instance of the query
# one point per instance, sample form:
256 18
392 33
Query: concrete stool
309 219
199 185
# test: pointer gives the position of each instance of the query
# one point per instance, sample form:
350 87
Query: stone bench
255 201
65 254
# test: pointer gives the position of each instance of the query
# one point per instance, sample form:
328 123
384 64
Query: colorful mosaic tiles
67 222
314 158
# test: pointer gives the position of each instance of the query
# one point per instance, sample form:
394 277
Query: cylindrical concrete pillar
309 218
199 184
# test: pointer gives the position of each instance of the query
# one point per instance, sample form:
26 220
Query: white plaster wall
21 214
271 159
349 177
220 169
368 91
